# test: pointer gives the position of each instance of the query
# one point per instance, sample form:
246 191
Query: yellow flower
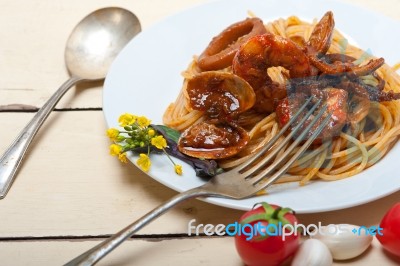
178 169
144 162
151 133
115 149
126 119
143 121
113 133
122 157
159 142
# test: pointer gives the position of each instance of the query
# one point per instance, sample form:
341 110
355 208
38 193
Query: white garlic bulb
345 241
312 252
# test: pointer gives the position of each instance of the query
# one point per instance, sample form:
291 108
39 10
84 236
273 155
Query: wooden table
69 193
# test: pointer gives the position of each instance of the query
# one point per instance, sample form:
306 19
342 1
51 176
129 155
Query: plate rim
225 202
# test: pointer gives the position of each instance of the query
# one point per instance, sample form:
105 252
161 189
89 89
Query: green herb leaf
170 133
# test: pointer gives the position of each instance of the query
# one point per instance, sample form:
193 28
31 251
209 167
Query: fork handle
95 254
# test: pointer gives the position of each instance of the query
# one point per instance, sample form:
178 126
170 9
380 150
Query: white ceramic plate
145 78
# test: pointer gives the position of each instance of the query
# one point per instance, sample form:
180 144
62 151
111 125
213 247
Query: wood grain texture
33 36
69 191
193 251
70 186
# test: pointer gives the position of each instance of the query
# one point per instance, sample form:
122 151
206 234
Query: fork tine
276 163
285 167
281 145
275 138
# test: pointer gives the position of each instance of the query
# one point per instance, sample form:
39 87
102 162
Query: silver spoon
90 50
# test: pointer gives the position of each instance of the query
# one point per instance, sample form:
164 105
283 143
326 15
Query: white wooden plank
132 252
201 251
69 185
33 35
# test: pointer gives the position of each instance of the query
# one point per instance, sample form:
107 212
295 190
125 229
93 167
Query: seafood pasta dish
254 75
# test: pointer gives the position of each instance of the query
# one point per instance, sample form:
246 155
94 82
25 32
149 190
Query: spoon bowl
96 41
91 48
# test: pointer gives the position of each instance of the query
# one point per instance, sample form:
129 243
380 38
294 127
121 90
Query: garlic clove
312 252
345 241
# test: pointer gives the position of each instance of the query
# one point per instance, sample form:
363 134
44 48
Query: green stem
270 215
266 215
168 157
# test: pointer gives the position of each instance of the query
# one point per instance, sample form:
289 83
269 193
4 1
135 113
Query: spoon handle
13 156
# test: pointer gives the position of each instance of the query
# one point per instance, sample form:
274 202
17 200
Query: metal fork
241 182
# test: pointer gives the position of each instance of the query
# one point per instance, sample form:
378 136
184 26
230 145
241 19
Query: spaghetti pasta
356 148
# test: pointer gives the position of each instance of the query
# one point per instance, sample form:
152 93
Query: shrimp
261 52
268 50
